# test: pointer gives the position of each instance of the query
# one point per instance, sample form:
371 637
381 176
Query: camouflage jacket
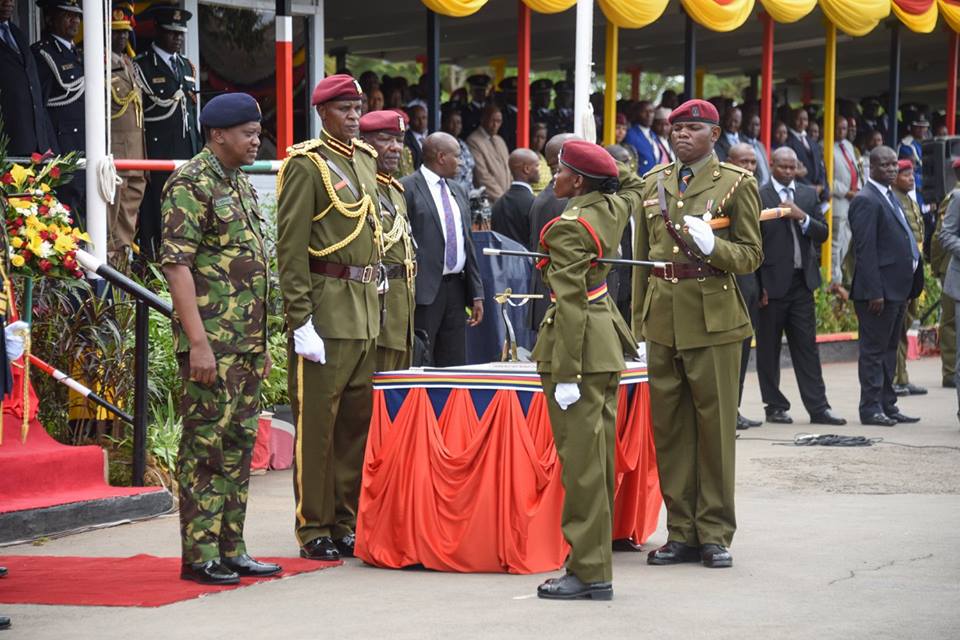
212 224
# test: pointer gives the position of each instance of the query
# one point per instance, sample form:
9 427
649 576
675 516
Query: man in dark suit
887 273
789 275
730 135
511 213
808 153
413 139
25 118
641 136
448 278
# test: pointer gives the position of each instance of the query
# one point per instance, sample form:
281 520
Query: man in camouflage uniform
939 261
214 260
383 130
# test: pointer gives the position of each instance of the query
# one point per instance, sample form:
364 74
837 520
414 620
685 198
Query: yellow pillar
610 93
499 66
828 132
698 82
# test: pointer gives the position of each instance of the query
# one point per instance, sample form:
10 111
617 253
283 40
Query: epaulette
733 167
303 147
571 214
360 144
397 184
658 168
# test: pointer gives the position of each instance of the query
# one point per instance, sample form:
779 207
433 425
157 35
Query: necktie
686 174
850 165
787 195
450 248
7 36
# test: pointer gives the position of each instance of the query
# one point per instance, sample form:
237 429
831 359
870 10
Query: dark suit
750 290
511 213
722 148
790 308
884 251
812 159
25 118
546 206
410 141
440 298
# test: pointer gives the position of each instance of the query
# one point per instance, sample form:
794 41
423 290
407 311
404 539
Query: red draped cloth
483 494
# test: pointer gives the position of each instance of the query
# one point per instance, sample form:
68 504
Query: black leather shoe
321 548
715 556
901 390
673 553
748 421
211 572
345 545
779 416
949 383
626 544
742 423
915 389
877 420
244 565
4 622
899 417
570 587
828 417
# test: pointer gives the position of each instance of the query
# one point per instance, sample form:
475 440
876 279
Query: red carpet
139 581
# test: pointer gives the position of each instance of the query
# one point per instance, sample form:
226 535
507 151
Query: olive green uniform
327 214
126 141
582 339
915 220
694 328
395 342
212 225
939 261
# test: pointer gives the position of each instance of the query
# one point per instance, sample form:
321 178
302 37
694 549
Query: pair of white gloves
14 337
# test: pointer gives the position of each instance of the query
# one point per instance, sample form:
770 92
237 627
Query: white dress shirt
166 56
780 188
433 183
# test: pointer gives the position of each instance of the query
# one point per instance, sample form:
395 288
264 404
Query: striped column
284 52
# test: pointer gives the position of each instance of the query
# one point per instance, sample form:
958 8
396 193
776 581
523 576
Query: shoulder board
140 57
397 185
304 147
733 167
570 214
658 168
360 144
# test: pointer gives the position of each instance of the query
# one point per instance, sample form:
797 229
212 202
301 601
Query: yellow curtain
724 15
915 16
785 11
454 8
855 17
632 14
549 6
950 10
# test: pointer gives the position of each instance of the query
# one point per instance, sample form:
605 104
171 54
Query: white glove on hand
702 234
308 344
14 340
566 394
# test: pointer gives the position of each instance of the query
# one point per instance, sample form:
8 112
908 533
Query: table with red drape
461 472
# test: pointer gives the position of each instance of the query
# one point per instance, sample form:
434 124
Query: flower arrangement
41 233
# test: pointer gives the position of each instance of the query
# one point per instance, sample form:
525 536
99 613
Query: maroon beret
389 121
336 87
402 114
588 159
695 111
904 164
622 119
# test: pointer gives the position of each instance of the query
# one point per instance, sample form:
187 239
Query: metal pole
894 84
766 82
952 83
583 63
433 72
95 104
523 74
829 129
140 394
610 92
284 72
316 64
689 58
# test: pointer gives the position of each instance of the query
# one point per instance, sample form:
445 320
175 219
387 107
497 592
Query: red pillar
952 84
766 82
635 83
523 75
806 88
284 52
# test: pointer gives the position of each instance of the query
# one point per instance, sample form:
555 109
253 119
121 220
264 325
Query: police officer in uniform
169 83
60 67
328 253
579 355
694 319
384 130
472 114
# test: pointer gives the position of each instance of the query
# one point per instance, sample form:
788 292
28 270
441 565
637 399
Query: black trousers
750 290
795 315
151 220
445 322
877 364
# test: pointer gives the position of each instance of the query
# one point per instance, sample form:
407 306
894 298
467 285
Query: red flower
27 255
44 235
36 158
43 209
69 263
7 178
55 172
45 265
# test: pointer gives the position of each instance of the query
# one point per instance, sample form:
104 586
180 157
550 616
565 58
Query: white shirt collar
799 134
431 178
780 187
522 184
883 189
166 56
66 43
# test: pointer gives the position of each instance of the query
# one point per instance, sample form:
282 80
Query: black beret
230 109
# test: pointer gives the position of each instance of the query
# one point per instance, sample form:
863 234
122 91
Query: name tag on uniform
158 80
222 202
68 66
650 203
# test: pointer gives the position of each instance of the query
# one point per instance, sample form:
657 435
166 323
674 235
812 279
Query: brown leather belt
399 271
365 274
674 271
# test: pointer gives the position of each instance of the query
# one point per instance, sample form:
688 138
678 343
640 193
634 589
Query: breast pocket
234 233
723 308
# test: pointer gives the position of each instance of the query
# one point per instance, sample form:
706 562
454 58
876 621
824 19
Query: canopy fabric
855 17
454 8
549 6
786 11
920 16
719 15
950 10
632 14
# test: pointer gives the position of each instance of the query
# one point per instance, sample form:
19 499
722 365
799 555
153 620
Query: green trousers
332 404
213 466
392 360
948 336
693 403
585 435
909 315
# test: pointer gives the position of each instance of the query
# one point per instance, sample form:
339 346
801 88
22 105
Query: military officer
562 119
579 355
328 254
60 67
126 136
694 319
479 84
540 94
214 261
384 131
904 188
169 83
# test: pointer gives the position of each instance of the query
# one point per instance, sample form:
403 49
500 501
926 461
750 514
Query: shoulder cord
723 202
178 99
124 102
71 90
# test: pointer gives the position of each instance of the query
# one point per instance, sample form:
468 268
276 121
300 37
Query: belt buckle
669 273
415 269
367 276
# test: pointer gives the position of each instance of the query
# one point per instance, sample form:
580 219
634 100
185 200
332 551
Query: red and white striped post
284 51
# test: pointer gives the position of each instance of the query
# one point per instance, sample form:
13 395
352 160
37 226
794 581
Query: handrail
91 263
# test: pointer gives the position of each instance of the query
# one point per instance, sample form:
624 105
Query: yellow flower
32 222
36 245
17 260
45 187
16 242
63 244
20 174
21 203
30 233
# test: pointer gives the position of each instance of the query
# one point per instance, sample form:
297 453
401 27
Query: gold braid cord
124 102
723 202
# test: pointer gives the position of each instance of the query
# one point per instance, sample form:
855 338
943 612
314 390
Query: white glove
13 335
642 352
566 394
308 344
702 234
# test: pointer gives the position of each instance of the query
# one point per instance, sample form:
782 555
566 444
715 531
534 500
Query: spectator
451 122
911 149
808 152
511 212
374 99
729 134
413 140
813 131
619 135
669 100
490 153
507 99
562 120
847 181
540 93
641 137
538 140
661 135
780 135
749 135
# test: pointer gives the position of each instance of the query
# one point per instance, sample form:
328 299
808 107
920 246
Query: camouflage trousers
213 469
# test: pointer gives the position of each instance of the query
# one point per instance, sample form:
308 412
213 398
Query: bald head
441 154
618 153
743 155
524 165
783 165
552 150
785 153
883 165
